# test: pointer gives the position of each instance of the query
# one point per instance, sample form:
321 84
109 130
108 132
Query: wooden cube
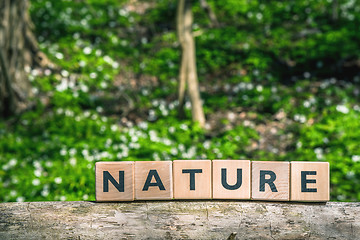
114 181
231 179
153 180
192 179
270 181
310 181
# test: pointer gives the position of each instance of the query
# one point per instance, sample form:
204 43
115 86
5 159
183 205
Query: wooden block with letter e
192 179
153 180
231 179
310 181
114 181
270 181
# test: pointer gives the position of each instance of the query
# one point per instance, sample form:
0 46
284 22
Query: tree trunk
188 72
179 220
213 19
18 48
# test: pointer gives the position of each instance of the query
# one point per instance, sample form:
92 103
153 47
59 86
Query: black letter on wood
107 177
304 181
268 181
158 183
192 176
238 182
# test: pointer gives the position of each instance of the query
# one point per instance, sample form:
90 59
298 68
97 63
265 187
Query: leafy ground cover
280 81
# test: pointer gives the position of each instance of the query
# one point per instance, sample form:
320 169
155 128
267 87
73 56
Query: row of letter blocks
217 179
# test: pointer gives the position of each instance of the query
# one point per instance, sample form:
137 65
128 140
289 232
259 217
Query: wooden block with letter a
153 180
231 179
114 181
192 179
310 181
270 181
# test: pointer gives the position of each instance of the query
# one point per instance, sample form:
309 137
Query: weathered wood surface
179 220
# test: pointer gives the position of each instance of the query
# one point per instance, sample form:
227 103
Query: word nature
216 179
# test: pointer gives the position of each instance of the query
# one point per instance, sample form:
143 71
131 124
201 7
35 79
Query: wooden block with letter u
231 179
114 181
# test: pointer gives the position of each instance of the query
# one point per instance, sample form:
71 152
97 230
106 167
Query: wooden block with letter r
310 181
153 180
114 181
270 180
231 179
192 179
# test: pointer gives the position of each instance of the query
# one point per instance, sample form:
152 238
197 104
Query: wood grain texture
201 179
163 174
179 220
231 167
281 182
113 168
317 176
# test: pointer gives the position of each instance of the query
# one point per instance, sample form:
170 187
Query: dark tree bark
188 72
18 48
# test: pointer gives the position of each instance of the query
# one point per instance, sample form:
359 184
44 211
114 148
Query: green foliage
114 63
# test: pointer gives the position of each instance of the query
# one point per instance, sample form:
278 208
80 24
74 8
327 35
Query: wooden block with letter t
310 181
153 180
231 179
270 181
114 181
192 179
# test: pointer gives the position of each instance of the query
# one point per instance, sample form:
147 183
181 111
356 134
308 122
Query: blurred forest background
98 80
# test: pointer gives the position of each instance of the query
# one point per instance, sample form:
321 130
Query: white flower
72 161
171 129
307 75
306 104
72 151
20 199
207 144
174 151
37 173
62 198
103 84
59 55
63 152
259 88
82 63
45 192
36 182
355 158
143 125
86 197
300 118
64 73
93 75
184 127
12 162
58 180
342 109
87 50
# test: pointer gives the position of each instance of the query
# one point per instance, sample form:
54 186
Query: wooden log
179 220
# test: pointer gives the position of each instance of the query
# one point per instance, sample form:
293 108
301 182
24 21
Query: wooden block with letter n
153 180
114 181
192 179
270 181
231 179
310 181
